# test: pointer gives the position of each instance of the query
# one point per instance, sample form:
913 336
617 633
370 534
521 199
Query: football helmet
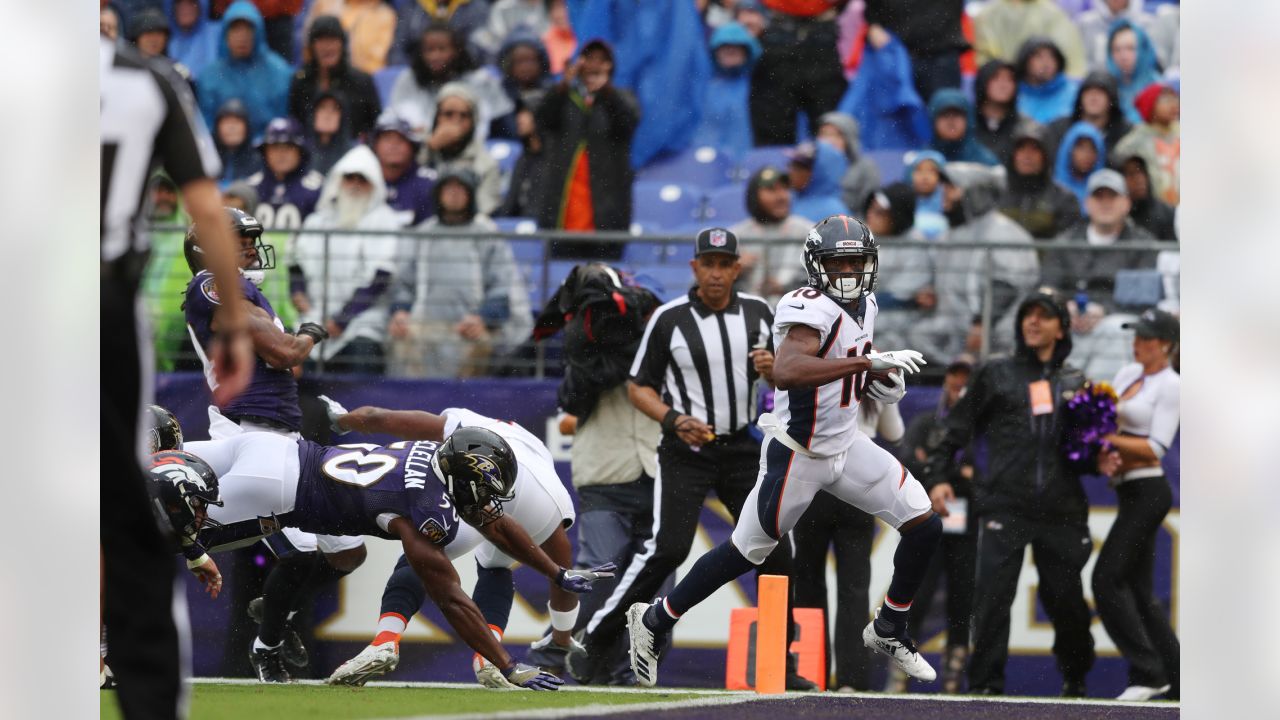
841 236
182 486
245 226
165 433
478 469
284 131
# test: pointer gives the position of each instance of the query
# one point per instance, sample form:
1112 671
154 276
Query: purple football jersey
272 393
413 195
285 204
345 489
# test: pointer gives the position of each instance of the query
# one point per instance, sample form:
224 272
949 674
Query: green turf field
321 702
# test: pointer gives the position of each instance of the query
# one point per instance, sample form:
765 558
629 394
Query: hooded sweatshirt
1149 212
469 154
726 110
1062 172
522 98
261 80
1052 100
1160 147
1145 71
930 221
782 253
1117 126
414 95
996 136
902 271
884 101
361 268
1095 29
863 175
1002 27
967 148
244 159
361 105
821 197
1037 203
197 46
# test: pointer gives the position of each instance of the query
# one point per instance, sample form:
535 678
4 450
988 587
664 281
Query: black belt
259 420
719 441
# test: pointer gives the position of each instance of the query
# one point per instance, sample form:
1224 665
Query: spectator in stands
863 176
195 38
587 125
925 171
815 170
349 289
246 69
1031 197
463 302
328 70
1147 211
1106 224
905 289
240 158
1097 103
524 187
507 19
1004 26
1045 93
1157 139
277 22
526 77
959 546
149 31
370 23
1131 60
1082 152
799 70
996 102
410 187
1096 24
455 143
931 32
953 134
559 39
329 133
415 17
109 21
883 97
779 257
241 196
750 14
164 281
441 57
1100 344
726 118
287 189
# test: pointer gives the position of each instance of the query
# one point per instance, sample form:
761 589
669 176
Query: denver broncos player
421 493
823 333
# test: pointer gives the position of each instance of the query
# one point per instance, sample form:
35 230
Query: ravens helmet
245 226
165 433
478 469
841 236
182 487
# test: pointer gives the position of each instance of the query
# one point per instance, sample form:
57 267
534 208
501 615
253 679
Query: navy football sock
404 593
283 583
910 561
493 594
720 565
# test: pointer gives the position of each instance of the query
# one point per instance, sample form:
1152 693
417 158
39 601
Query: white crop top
1154 411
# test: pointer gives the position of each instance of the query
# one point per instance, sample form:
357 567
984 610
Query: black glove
314 331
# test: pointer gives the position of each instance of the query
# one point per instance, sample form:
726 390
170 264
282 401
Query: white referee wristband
193 564
563 620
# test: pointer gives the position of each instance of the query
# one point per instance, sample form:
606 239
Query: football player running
823 333
541 504
226 493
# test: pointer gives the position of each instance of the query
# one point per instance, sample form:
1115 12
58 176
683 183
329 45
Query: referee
695 373
148 117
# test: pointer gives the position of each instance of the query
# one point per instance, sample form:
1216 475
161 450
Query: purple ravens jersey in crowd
284 204
412 196
356 489
272 393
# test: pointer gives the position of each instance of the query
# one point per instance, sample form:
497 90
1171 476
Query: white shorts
257 474
221 427
541 504
866 476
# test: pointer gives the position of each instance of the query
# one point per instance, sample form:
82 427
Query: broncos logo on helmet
182 487
835 237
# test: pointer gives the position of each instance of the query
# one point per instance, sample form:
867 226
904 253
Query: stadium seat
758 157
704 167
726 205
665 206
557 271
384 79
646 252
516 225
891 164
506 152
1138 288
674 279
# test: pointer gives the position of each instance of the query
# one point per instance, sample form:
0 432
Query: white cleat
372 661
903 654
488 674
1141 693
644 651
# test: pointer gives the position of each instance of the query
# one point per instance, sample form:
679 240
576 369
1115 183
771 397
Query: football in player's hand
882 377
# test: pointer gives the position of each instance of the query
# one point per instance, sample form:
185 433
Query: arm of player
276 347
512 539
797 364
441 582
405 424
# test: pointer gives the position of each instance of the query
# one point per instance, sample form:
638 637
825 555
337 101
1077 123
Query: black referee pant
728 466
138 563
1061 549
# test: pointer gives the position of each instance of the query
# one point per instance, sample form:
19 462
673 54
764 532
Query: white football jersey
522 441
824 419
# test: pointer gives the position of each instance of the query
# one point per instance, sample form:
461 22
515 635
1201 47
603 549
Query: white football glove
889 393
905 360
334 410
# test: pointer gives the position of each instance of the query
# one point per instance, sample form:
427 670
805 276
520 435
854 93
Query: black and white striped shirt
698 358
148 118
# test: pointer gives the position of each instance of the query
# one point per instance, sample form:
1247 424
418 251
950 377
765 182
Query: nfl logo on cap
718 238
